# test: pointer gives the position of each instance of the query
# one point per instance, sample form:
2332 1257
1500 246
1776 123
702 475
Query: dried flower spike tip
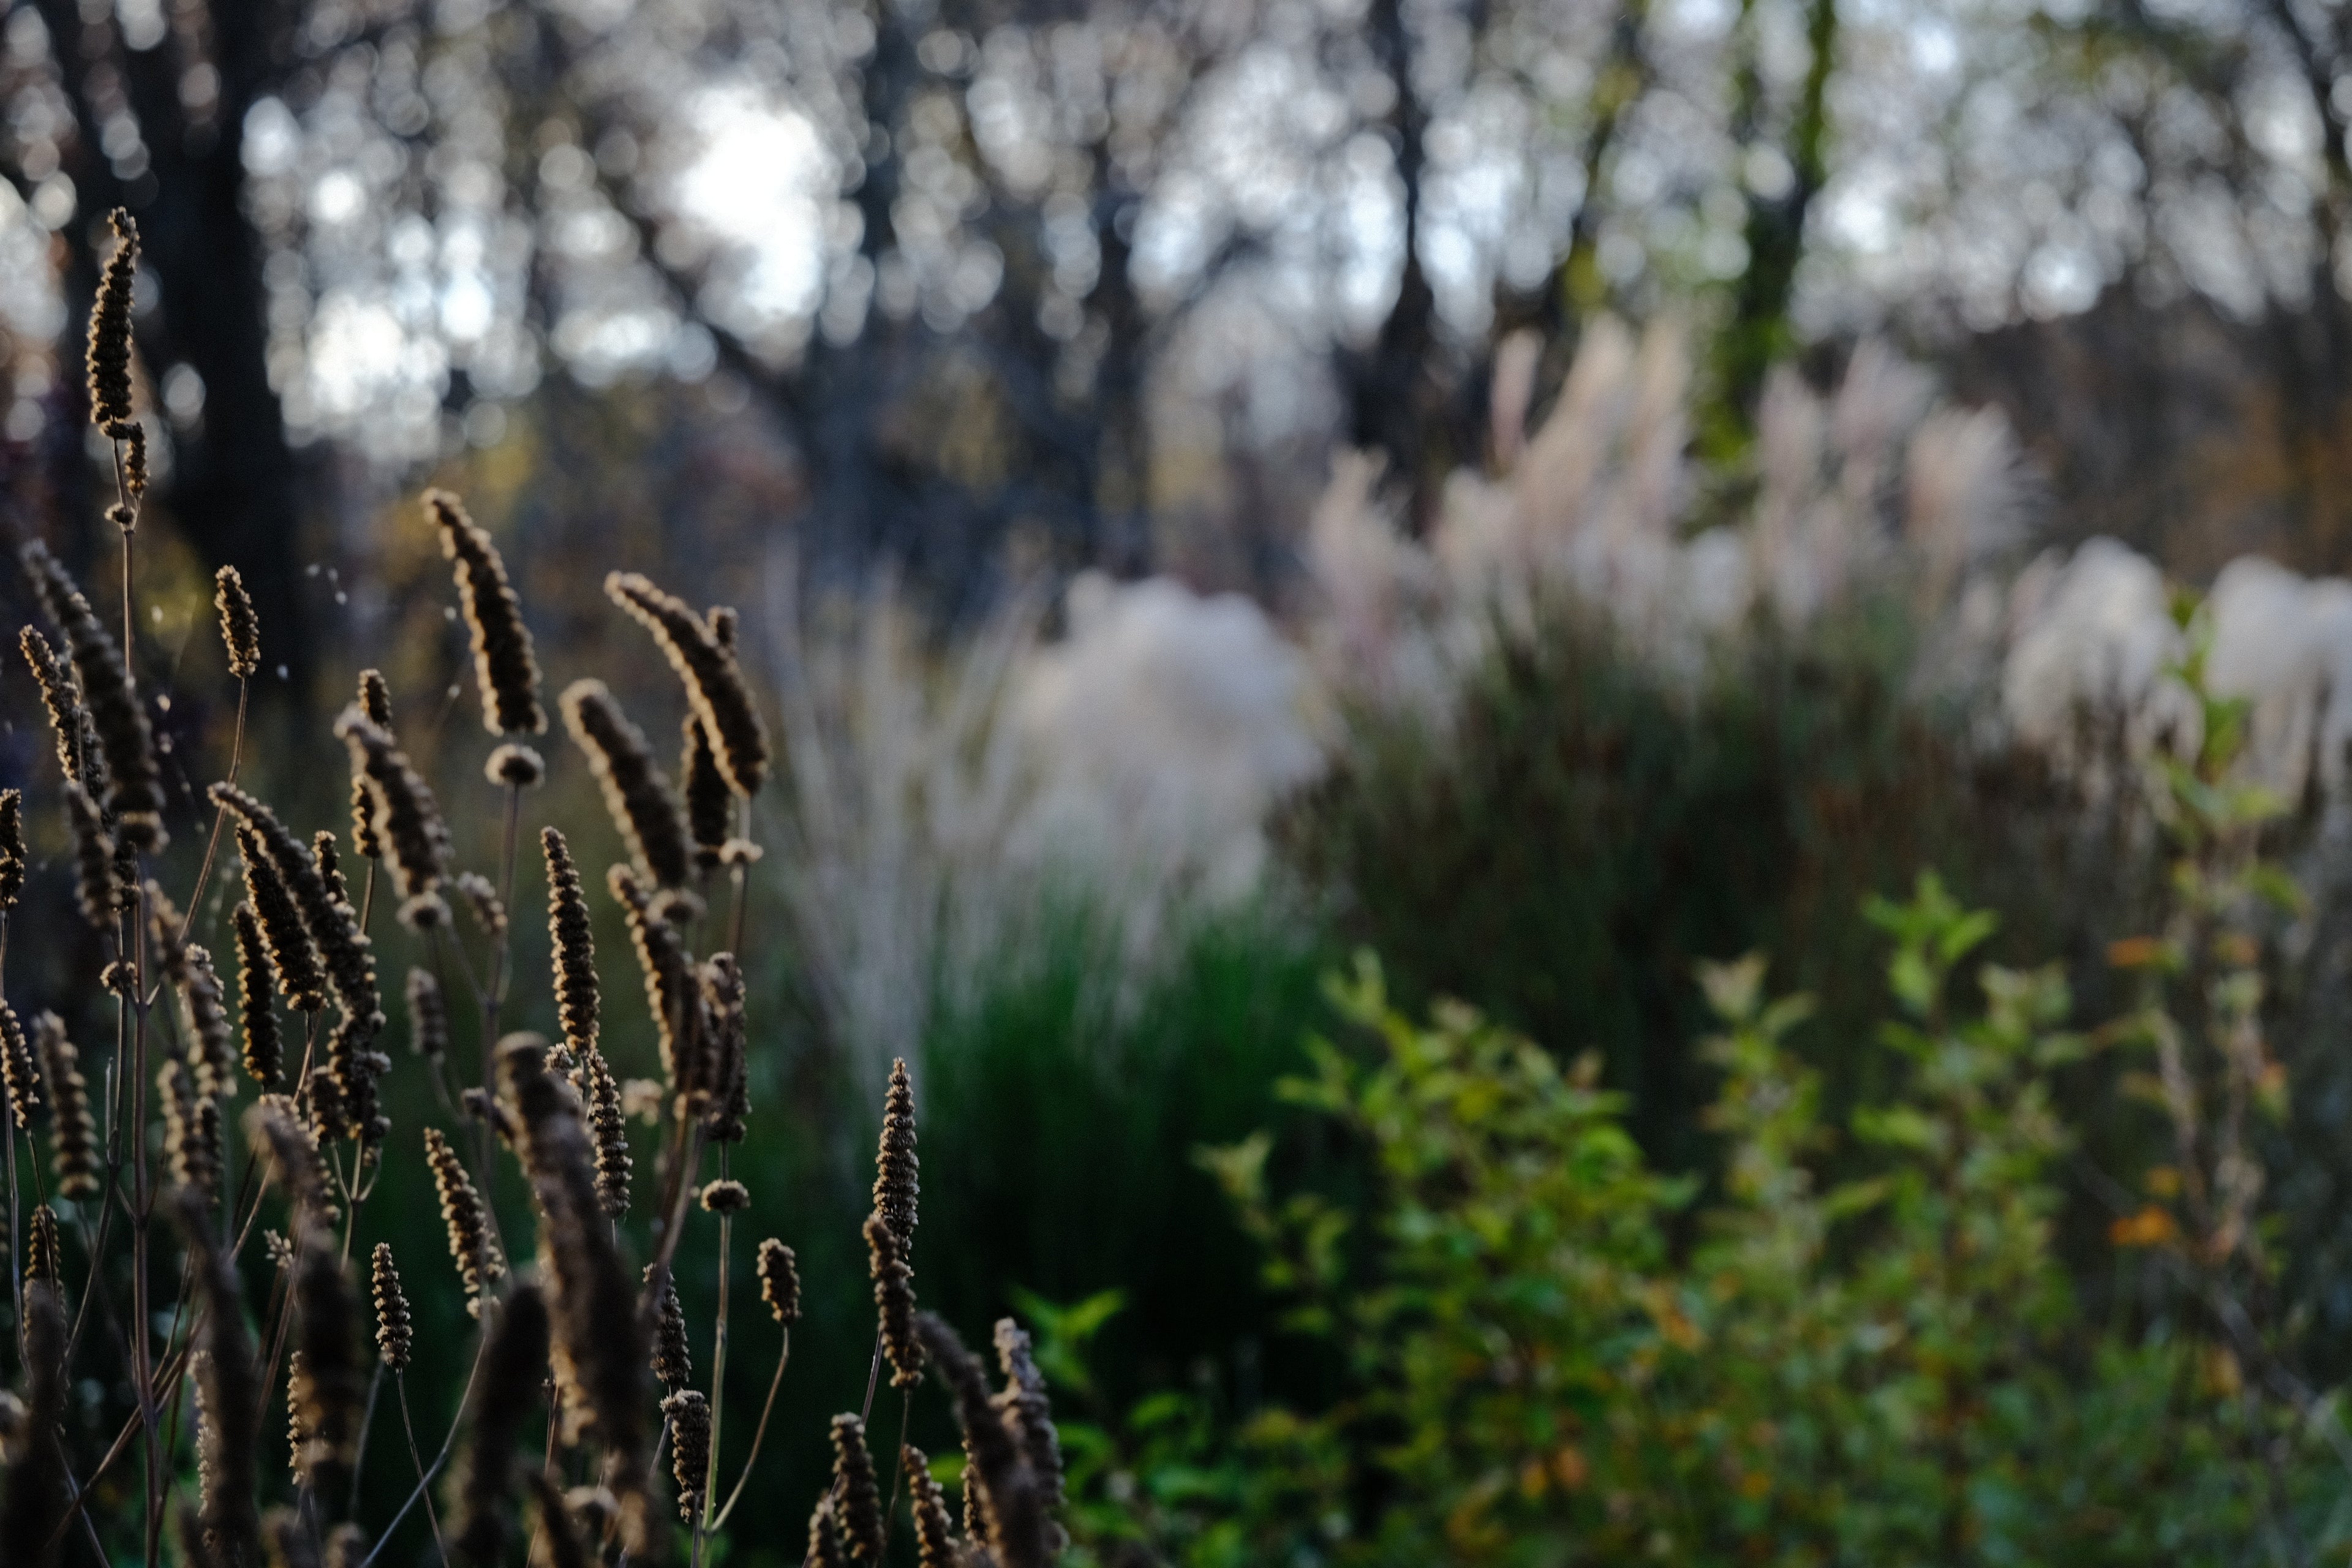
405 815
897 1183
636 792
134 791
393 1334
73 1134
714 682
894 1303
726 1197
110 329
860 1498
264 1049
17 1074
689 1441
779 1281
673 1361
504 665
934 1533
12 848
573 944
240 628
471 1246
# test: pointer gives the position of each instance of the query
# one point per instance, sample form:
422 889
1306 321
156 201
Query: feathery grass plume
825 1537
12 848
559 1529
77 757
192 1150
293 961
610 1129
428 1016
17 1074
573 941
934 1533
228 1387
472 1247
731 1084
779 1281
855 1491
326 1311
407 818
393 1333
709 803
264 1048
205 1011
504 665
897 1172
636 792
489 912
690 1447
329 923
330 872
44 1255
240 628
894 1302
274 1127
110 327
726 1196
512 1368
673 1361
36 1495
599 1341
515 764
1006 1488
97 885
135 795
1029 1413
714 682
73 1136
671 995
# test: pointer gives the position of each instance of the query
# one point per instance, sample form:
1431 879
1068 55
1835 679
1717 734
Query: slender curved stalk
717 1378
759 1433
423 1488
425 1473
367 1419
220 816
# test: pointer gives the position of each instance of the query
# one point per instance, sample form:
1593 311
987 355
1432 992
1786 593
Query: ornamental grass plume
934 1532
264 1047
897 1170
428 1016
480 1263
73 1135
504 666
512 1368
240 628
731 1096
714 682
12 848
636 792
293 961
135 792
18 1075
406 818
894 1303
572 946
394 1332
779 1281
855 1491
1014 1524
689 1443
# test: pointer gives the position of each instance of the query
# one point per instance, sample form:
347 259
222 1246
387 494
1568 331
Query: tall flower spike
934 1533
293 961
689 1443
17 1073
12 848
33 1511
860 1499
264 1049
331 870
240 628
1007 1490
329 923
1029 1412
44 1260
730 1097
73 1135
135 789
407 817
471 1246
714 683
897 1172
376 701
334 1390
673 1359
513 1366
636 792
608 1126
674 1001
110 327
393 1334
205 1012
894 1303
63 701
573 944
274 1127
228 1387
779 1281
825 1537
709 803
428 1016
97 887
504 665
192 1152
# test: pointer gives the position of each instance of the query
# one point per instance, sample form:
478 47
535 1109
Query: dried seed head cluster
12 848
135 792
779 1281
894 1303
393 1333
714 683
1029 1413
673 1359
504 665
73 1135
17 1073
671 994
856 1493
293 961
276 1129
731 1097
609 1128
97 881
472 1247
726 1196
997 1475
333 1388
240 628
709 803
934 1533
264 1049
573 945
76 747
825 1537
689 1442
204 1010
515 764
488 911
191 1149
897 1170
110 328
428 1016
636 792
43 1258
404 815
331 870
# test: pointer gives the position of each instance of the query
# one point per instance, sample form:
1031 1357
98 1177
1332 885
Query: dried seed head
489 912
44 1260
330 1109
191 1149
375 699
165 948
98 880
636 791
779 1281
934 1534
240 628
334 1388
77 757
293 961
714 682
504 665
513 1367
730 1094
393 1333
12 848
476 1252
275 1127
689 1442
428 1016
673 1361
722 621
573 945
34 1511
279 1249
671 995
726 1196
329 923
134 796
264 1050
1029 1413
894 1303
133 436
515 764
331 870
1016 1526
110 327
609 1128
228 1389
825 1537
405 815
18 1076
73 1136
205 1011
897 1170
356 1066
709 803
859 1498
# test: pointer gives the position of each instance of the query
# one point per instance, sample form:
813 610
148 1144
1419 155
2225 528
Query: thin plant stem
897 1470
759 1433
718 1379
367 1419
424 1487
424 1476
220 815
